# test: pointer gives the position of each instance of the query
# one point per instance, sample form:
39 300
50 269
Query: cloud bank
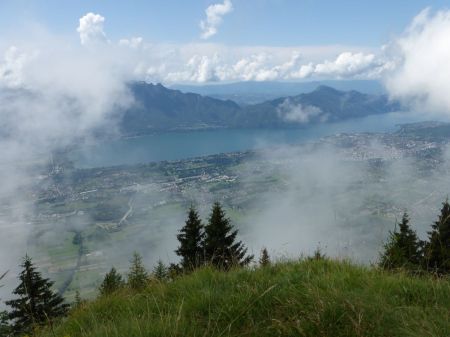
214 18
422 62
413 64
265 66
346 65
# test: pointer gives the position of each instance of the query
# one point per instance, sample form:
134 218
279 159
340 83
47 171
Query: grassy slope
307 298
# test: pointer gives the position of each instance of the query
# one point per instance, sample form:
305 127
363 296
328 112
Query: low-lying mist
342 194
51 95
344 202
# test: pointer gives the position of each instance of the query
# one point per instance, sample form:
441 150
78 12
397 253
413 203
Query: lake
182 145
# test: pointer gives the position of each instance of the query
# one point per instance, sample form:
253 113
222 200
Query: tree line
214 244
404 249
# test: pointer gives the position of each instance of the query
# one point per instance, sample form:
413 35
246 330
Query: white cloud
91 29
260 67
201 63
214 17
298 113
213 68
346 65
304 71
11 68
421 57
198 69
134 42
253 68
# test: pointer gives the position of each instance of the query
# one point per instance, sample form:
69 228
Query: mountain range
253 92
157 108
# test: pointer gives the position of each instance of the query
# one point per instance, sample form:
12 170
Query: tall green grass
305 298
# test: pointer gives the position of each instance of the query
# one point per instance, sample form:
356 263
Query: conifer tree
77 239
437 250
36 304
160 272
264 259
112 282
190 238
318 254
5 327
403 249
173 271
78 300
137 275
220 245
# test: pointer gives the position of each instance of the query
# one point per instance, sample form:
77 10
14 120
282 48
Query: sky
251 22
211 41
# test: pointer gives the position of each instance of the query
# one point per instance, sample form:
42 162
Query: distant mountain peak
327 89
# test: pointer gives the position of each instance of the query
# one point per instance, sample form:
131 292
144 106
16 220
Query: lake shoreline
182 144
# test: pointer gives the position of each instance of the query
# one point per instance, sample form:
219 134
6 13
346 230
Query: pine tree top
264 259
191 241
220 245
137 275
444 215
437 250
160 272
35 303
403 248
112 282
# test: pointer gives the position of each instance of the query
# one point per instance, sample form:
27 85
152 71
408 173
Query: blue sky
205 41
252 22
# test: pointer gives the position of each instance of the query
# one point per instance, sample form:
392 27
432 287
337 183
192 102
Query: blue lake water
182 145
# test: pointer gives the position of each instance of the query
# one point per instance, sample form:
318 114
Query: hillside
306 298
324 104
158 108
